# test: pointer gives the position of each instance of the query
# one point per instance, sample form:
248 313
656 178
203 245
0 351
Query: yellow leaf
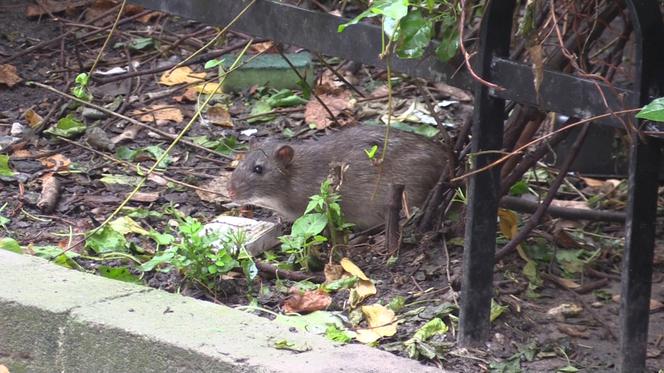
159 113
353 269
508 223
363 290
381 321
208 88
33 118
180 75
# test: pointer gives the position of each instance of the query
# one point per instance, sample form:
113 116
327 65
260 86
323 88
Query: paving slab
57 320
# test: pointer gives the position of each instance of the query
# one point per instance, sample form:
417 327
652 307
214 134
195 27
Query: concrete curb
58 320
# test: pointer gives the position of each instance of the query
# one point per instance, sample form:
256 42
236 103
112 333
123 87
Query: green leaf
120 179
653 111
397 303
4 166
309 225
285 98
336 334
213 63
10 244
342 283
414 35
163 258
519 188
315 322
371 153
449 45
106 240
162 239
496 310
284 344
119 273
393 10
56 254
82 79
67 127
141 43
431 328
261 107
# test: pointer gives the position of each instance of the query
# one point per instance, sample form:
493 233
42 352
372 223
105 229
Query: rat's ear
284 155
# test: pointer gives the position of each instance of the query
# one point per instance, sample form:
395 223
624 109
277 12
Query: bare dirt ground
526 336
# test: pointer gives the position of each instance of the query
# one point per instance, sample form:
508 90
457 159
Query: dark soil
426 274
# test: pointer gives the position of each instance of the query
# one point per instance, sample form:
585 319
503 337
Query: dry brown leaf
333 272
33 118
381 321
219 115
160 113
8 75
208 88
53 6
264 47
56 162
128 134
217 187
314 112
181 75
570 204
453 92
537 59
145 197
189 95
508 223
308 301
353 269
564 239
576 331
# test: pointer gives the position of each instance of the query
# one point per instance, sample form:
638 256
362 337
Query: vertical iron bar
644 162
487 132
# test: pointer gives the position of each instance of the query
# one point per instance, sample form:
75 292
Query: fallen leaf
33 118
315 113
353 269
53 6
565 310
189 95
181 75
333 272
159 113
307 301
361 291
219 115
217 189
508 223
575 331
128 134
145 197
564 239
537 59
56 162
9 76
381 322
207 88
266 46
570 204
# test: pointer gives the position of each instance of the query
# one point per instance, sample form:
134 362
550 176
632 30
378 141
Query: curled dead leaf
308 301
9 75
181 75
159 113
381 322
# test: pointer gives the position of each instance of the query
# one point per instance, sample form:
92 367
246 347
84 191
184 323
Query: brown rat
282 176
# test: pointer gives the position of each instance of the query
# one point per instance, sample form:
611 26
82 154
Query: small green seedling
80 89
371 153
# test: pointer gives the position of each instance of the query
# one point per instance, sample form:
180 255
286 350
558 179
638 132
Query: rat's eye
258 169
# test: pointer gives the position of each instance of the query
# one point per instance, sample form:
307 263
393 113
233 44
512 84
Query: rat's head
263 176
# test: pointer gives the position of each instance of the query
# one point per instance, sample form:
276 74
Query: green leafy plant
323 211
409 25
202 257
80 89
